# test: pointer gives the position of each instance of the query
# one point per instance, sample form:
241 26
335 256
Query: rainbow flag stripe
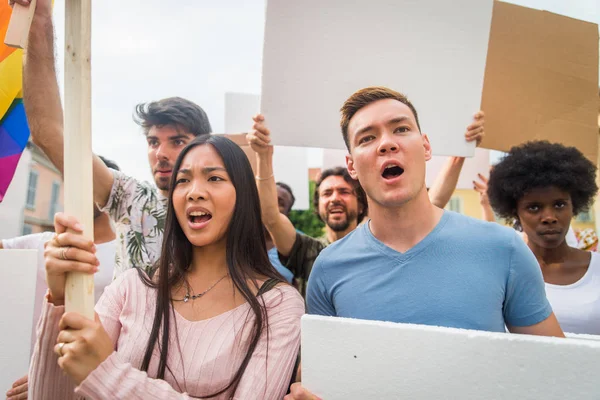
14 131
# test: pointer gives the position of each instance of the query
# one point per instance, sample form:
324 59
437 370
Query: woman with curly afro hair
540 187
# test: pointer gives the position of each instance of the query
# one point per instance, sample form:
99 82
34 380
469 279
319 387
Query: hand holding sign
259 137
82 346
67 252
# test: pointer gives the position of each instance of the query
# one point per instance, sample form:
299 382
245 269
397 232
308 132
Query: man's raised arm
41 98
281 229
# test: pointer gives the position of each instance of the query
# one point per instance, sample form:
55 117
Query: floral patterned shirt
138 210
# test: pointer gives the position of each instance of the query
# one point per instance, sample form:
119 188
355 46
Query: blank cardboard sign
355 359
333 158
290 164
317 53
541 80
239 110
582 336
478 164
17 284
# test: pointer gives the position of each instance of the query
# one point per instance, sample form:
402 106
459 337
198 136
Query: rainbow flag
14 131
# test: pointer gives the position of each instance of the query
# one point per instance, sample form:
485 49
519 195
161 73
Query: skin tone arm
281 229
443 187
41 98
445 183
548 327
481 186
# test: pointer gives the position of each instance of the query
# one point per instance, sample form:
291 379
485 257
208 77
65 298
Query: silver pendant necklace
189 296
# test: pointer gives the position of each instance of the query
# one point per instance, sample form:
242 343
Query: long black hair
246 255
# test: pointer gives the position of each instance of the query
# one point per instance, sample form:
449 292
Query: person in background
285 201
542 186
285 198
137 208
585 239
106 245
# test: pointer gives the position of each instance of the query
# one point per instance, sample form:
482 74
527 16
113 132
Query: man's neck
164 193
332 235
103 232
401 228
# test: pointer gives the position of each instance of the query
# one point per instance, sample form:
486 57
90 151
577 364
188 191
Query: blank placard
17 285
290 164
317 53
354 359
478 164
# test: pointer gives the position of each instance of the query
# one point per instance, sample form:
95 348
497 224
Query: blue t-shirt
274 257
466 274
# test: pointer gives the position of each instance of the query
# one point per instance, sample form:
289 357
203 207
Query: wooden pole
18 27
79 200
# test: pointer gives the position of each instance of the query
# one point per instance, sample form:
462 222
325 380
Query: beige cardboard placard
541 80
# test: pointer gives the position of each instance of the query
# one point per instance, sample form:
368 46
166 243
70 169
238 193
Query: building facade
44 193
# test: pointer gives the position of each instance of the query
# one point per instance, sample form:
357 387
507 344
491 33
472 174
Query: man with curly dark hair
539 187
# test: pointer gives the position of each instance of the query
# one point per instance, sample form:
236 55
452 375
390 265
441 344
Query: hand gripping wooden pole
18 27
79 200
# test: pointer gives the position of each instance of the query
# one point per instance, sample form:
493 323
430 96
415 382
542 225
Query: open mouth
392 171
199 217
336 210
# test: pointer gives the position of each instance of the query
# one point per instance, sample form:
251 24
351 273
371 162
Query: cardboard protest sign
541 80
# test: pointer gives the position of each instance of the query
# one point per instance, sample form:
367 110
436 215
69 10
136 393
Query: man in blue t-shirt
413 262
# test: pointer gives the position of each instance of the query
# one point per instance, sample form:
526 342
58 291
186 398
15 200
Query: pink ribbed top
211 350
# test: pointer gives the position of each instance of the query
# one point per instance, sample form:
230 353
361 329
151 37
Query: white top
105 253
571 239
577 306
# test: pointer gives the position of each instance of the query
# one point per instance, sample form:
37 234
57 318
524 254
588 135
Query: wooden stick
17 32
79 200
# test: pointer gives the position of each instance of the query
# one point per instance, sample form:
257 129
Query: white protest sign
317 53
18 270
290 164
478 164
334 158
354 359
582 336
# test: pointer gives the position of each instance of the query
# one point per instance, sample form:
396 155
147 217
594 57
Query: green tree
306 220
